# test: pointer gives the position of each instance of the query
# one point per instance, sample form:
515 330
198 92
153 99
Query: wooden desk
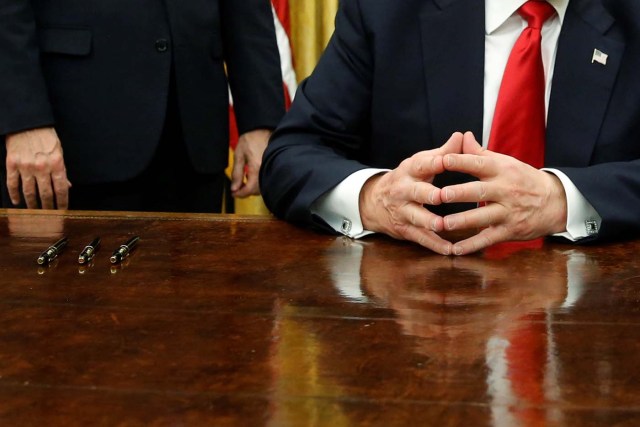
236 321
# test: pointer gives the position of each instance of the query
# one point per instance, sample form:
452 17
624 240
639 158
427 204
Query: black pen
89 251
123 251
52 251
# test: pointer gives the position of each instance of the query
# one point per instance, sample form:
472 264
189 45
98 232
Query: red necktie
518 128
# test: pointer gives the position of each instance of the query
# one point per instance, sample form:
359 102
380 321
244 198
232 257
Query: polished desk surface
222 320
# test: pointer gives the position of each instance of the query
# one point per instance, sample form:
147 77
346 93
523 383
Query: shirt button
162 45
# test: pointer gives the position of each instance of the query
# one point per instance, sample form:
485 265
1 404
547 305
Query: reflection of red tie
506 249
527 361
518 128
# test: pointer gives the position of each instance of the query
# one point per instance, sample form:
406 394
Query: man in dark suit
131 100
362 147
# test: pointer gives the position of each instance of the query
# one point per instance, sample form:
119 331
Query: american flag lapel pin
599 56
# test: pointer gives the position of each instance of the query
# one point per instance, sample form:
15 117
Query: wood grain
225 320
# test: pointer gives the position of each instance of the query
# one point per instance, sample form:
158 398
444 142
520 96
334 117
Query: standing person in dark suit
362 147
129 101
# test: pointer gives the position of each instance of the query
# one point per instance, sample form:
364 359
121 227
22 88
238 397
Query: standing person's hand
394 203
247 161
35 165
520 202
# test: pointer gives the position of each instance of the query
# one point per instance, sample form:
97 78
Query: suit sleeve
24 101
316 145
253 63
613 189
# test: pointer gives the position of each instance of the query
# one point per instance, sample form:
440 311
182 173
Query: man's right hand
34 159
393 203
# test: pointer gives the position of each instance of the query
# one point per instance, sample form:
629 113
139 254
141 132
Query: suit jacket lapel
453 52
581 89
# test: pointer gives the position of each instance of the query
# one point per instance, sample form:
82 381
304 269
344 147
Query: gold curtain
312 23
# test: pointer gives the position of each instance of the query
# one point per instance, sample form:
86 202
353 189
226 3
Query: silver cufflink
346 226
591 226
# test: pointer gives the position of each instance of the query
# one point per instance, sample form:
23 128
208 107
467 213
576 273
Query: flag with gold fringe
312 25
254 205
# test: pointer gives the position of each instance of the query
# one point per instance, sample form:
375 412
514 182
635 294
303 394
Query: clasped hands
518 202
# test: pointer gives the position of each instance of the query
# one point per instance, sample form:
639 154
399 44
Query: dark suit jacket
100 70
401 76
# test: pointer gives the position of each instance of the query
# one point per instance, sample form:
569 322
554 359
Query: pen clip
124 250
52 251
89 251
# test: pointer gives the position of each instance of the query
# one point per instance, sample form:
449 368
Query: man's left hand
520 202
247 161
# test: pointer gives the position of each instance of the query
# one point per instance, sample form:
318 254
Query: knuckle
461 221
486 241
415 191
482 191
59 178
406 163
412 218
489 219
399 229
12 162
56 160
40 165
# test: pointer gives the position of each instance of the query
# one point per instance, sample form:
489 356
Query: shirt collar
498 11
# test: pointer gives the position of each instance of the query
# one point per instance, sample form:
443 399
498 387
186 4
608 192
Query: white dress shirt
340 206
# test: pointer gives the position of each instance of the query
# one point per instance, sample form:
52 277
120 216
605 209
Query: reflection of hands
522 203
454 305
468 281
34 157
247 161
393 203
49 226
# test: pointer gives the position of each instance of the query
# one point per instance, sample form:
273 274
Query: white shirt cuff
582 219
340 207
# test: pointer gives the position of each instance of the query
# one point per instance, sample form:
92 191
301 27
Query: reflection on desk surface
251 321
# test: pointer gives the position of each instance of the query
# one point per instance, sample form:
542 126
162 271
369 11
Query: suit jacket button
162 45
